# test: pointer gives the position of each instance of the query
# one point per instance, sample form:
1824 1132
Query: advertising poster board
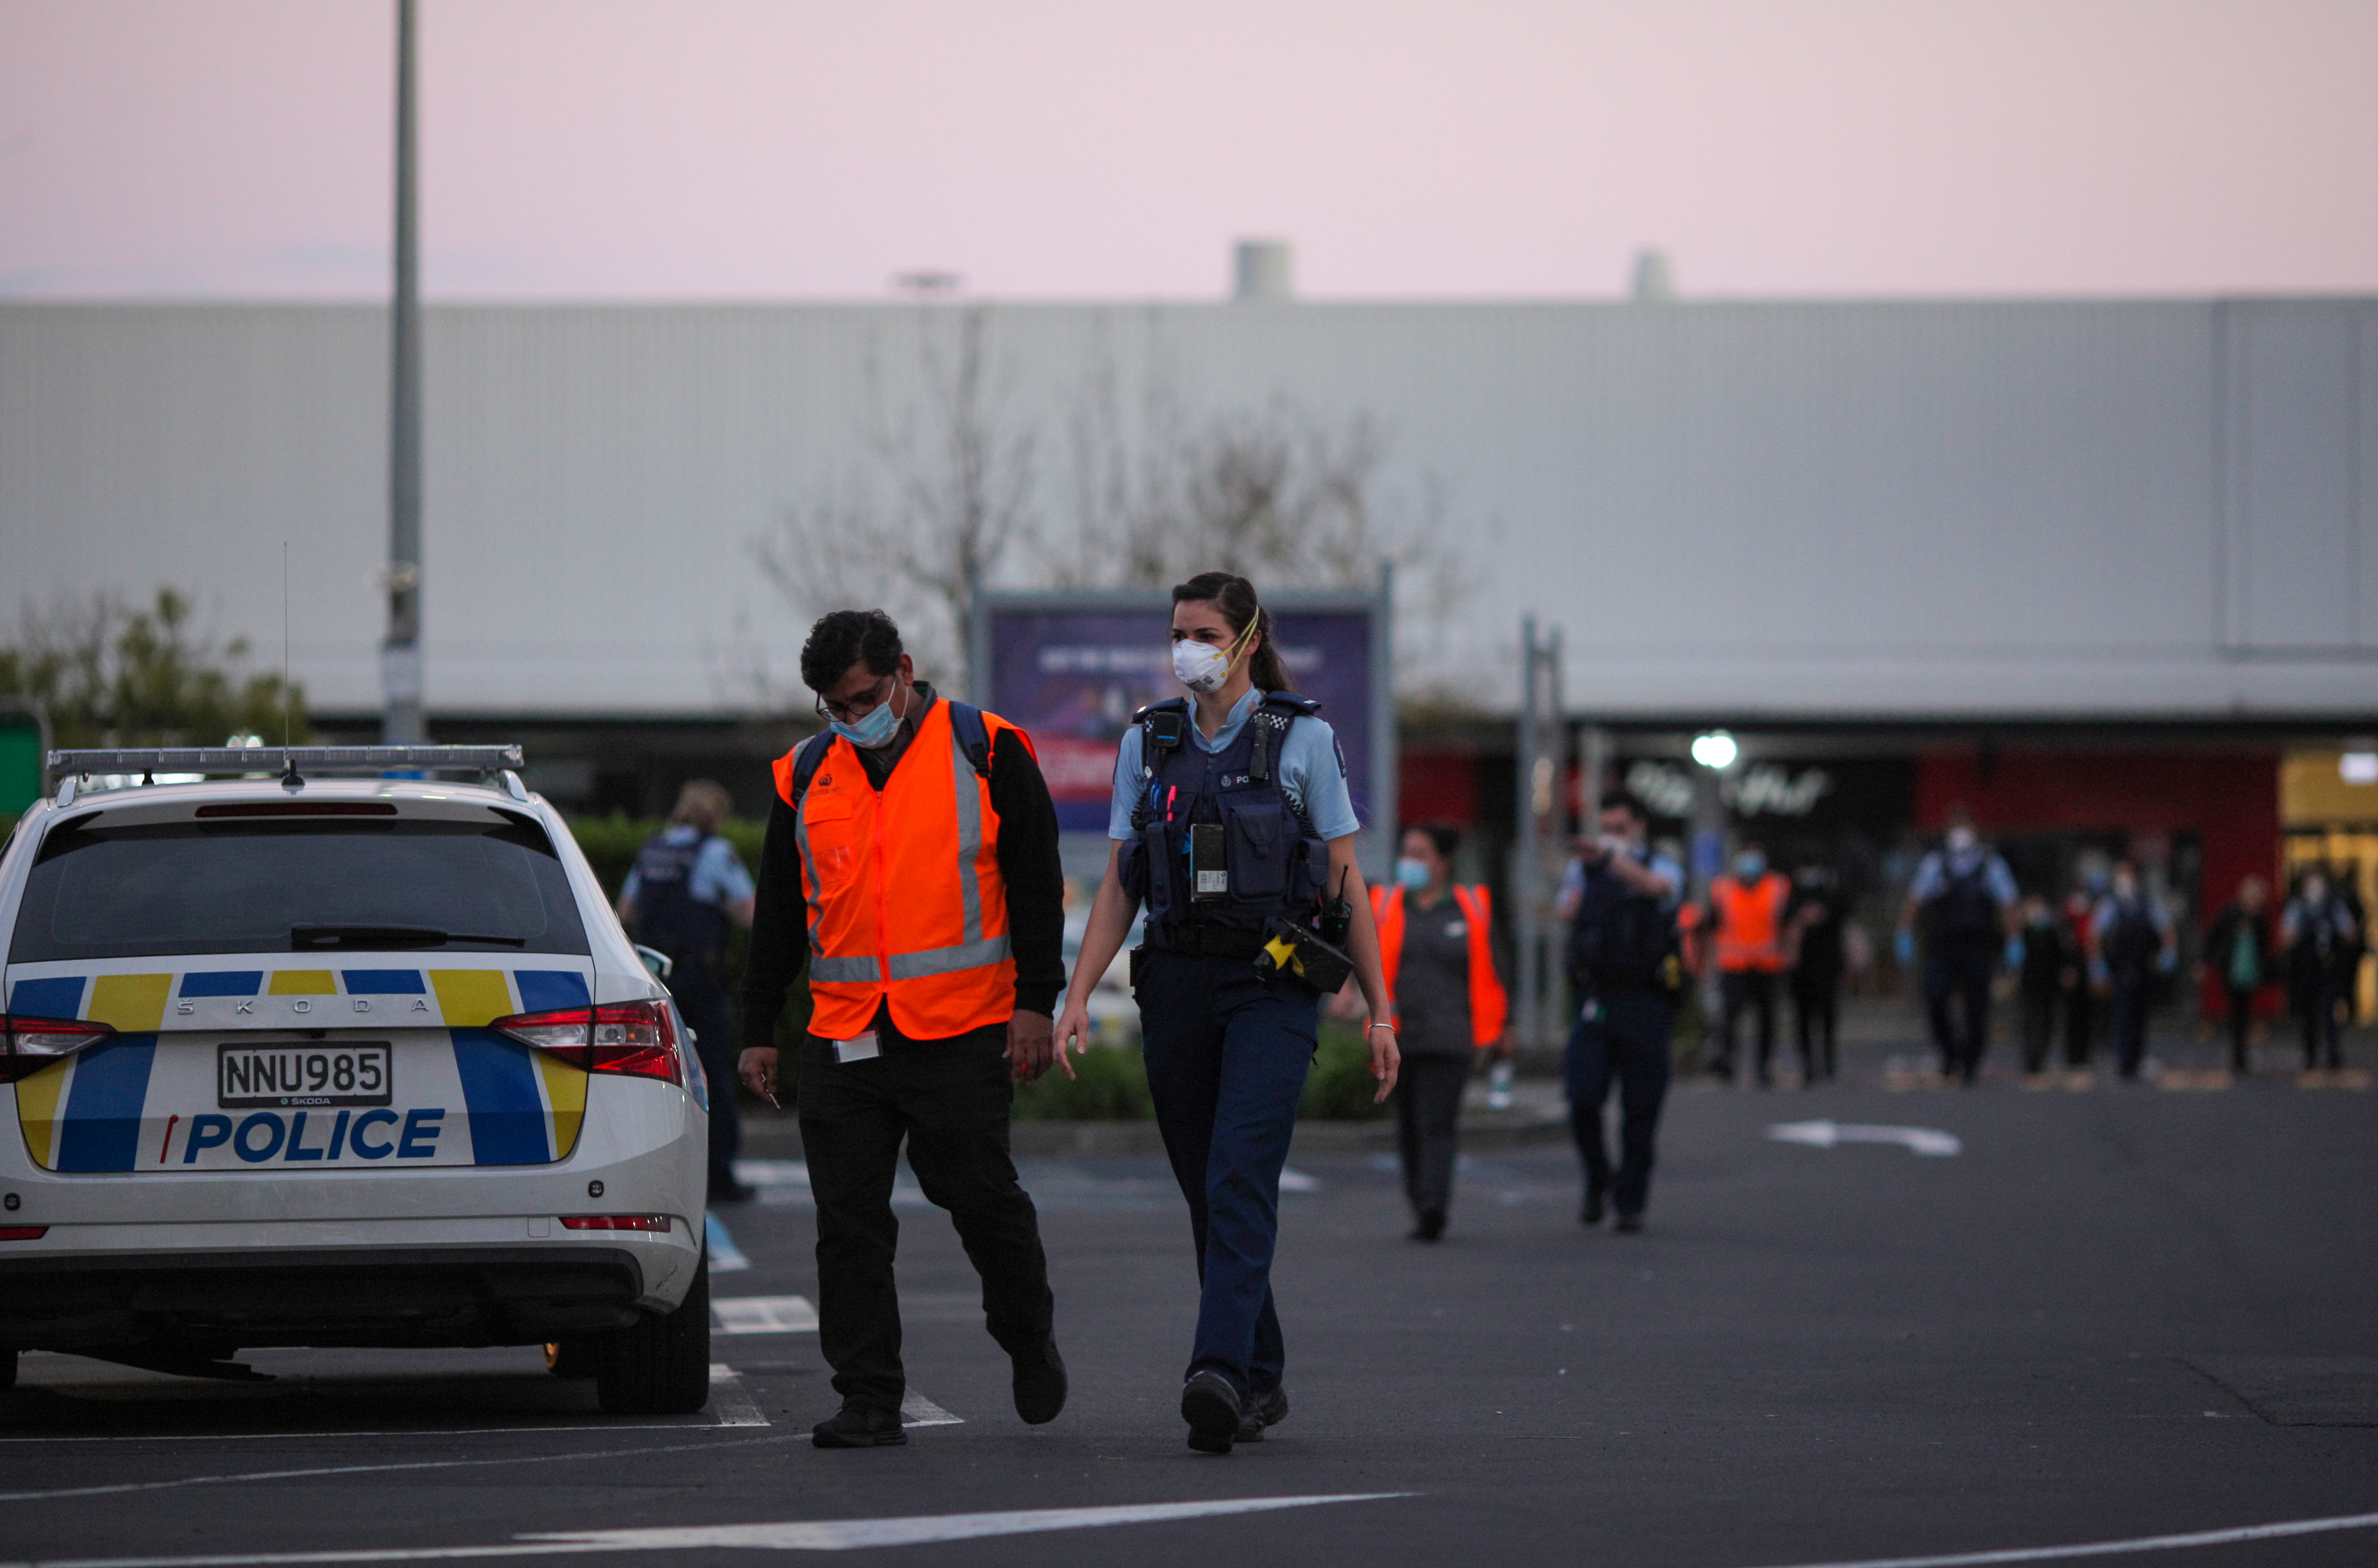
1073 668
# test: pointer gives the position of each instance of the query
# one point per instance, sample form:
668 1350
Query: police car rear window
279 885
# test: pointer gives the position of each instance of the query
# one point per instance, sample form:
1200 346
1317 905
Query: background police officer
1964 898
926 1006
686 885
1626 972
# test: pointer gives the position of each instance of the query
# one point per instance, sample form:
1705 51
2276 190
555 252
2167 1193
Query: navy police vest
667 914
1621 939
1276 864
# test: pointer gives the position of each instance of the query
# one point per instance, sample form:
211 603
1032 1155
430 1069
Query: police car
300 1059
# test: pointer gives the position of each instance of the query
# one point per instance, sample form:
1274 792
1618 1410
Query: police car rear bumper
221 1301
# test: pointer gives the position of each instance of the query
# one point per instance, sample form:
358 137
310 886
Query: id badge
859 1047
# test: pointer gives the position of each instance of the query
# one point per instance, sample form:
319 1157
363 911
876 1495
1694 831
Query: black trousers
1816 1020
1740 989
1428 1114
1626 1040
702 1002
2129 1014
1962 973
2080 1022
950 1101
2316 1003
2241 1021
2040 1006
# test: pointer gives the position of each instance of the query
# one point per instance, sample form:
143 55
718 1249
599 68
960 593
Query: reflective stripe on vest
885 881
1489 1006
1751 922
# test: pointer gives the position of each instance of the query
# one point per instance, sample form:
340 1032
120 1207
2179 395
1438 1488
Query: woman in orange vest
1449 1007
1746 926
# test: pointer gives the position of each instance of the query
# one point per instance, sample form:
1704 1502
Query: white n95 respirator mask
1203 667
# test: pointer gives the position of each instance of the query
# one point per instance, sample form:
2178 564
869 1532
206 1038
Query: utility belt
1283 950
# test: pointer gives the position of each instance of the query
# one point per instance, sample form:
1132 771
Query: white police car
308 1061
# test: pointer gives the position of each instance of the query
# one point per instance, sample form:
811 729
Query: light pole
399 655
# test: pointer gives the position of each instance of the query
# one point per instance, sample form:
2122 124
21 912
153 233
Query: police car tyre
661 1367
571 1356
8 1369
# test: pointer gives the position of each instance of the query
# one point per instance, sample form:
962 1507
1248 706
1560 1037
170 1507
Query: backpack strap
806 763
973 735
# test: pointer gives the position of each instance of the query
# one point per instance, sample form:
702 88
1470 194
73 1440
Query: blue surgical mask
1750 867
1411 873
875 732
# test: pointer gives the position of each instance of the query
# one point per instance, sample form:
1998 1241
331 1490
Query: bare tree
946 494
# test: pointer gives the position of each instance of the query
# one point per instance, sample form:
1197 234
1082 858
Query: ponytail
1233 598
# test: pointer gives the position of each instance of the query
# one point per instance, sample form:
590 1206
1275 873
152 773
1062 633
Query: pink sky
1104 149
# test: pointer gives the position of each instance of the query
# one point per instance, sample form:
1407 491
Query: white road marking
365 1470
724 1256
822 1534
764 1314
1826 1134
730 1401
764 1174
341 1436
2118 1547
1297 1181
916 1410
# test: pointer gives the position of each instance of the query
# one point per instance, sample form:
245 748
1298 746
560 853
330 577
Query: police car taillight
636 1039
32 1044
615 1222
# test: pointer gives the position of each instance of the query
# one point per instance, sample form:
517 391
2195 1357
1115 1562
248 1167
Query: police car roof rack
493 763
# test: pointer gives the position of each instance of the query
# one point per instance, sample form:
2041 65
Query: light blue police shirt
1932 872
1310 769
718 875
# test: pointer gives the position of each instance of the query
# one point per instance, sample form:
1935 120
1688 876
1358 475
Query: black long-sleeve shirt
1028 866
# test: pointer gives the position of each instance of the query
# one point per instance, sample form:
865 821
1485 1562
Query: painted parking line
1829 1134
724 1256
916 1410
2119 1547
730 1402
804 1535
764 1314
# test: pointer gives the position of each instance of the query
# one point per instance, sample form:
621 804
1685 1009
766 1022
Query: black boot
1040 1383
1212 1408
860 1426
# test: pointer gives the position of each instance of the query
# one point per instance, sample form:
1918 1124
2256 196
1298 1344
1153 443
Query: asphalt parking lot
2111 1316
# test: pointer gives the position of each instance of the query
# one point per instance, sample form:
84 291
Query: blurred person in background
2050 967
2132 941
1814 922
686 885
1964 900
1626 972
1437 951
1746 924
2324 938
2081 998
2238 954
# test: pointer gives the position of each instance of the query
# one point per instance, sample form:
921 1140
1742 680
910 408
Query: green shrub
1110 1084
1340 1086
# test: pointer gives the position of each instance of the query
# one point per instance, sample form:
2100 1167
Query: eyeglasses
858 708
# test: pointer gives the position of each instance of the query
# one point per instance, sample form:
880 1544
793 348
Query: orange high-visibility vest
1750 921
907 907
1488 1006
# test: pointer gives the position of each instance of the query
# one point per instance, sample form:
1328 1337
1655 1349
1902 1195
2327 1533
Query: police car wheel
661 1367
571 1356
8 1369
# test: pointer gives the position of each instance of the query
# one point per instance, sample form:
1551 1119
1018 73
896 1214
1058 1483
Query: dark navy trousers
1227 1057
1623 1037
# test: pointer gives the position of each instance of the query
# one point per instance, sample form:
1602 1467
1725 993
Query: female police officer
1229 814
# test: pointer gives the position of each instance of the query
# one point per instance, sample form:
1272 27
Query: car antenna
289 779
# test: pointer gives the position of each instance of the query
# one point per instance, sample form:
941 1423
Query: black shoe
1431 1226
1629 1224
1594 1207
1211 1407
860 1426
1040 1383
1263 1410
732 1193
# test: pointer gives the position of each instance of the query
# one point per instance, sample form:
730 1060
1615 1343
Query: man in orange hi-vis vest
1436 945
1746 937
911 859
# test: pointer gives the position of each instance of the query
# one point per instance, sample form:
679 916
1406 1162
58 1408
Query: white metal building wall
2075 509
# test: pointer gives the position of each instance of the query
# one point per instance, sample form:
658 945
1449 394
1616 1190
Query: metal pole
400 658
1524 876
1554 835
1386 749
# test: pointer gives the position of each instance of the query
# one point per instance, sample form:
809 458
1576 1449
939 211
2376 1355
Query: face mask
1411 873
875 732
1962 840
2126 890
1201 666
1750 868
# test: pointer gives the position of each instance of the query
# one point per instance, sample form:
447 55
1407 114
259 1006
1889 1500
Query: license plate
282 1077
